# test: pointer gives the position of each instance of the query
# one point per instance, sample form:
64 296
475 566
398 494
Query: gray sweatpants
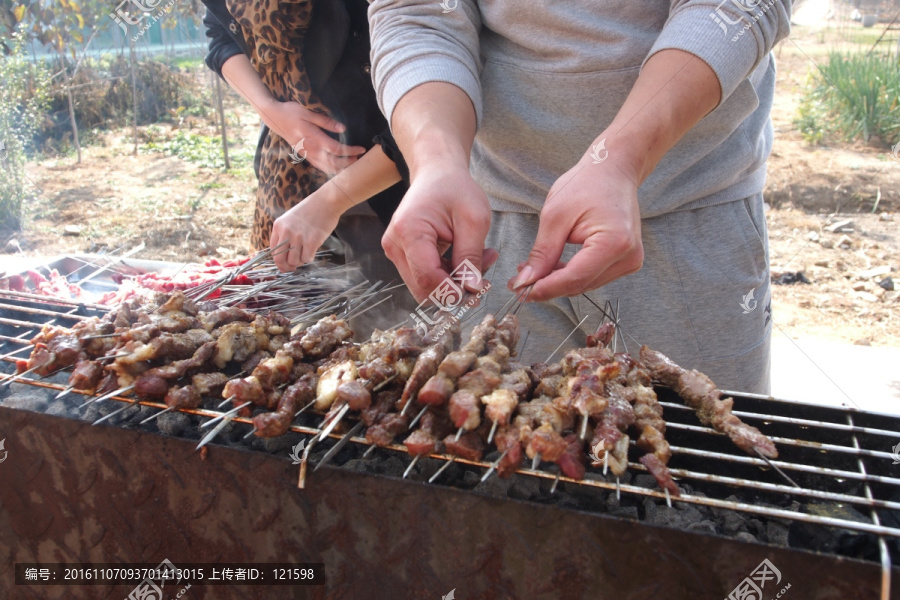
691 300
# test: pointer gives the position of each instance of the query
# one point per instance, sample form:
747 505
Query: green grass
852 97
204 150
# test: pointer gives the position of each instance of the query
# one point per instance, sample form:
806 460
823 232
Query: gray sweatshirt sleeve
731 36
416 42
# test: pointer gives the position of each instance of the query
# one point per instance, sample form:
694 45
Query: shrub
23 97
852 96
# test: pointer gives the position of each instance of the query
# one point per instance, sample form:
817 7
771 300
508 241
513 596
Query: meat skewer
701 394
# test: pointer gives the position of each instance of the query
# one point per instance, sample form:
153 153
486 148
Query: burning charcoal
173 423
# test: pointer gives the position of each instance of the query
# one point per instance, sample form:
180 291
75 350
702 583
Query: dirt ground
183 212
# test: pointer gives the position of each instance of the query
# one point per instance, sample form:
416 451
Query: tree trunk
222 120
68 82
134 101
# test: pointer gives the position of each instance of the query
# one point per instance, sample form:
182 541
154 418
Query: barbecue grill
825 513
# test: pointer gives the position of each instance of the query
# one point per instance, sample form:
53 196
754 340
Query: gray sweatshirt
547 76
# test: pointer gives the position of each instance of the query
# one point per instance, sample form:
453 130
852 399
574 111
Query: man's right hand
294 122
443 206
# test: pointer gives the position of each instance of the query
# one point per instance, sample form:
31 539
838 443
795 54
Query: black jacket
336 58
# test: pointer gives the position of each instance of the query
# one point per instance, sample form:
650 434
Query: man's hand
294 122
594 205
443 206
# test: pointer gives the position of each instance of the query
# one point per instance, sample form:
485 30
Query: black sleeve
221 45
386 140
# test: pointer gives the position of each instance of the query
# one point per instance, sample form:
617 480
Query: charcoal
732 522
279 444
524 488
493 487
702 527
626 512
645 481
59 408
777 533
173 423
470 479
745 537
359 465
31 399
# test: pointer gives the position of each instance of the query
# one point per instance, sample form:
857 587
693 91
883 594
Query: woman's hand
305 228
296 123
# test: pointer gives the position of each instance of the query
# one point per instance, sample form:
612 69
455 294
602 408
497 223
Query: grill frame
128 496
864 456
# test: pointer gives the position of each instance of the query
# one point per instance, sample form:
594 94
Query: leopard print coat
274 31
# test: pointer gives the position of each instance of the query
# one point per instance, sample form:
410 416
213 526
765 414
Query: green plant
23 98
204 150
852 96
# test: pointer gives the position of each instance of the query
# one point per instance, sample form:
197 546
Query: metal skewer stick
12 378
64 392
381 385
524 300
571 333
618 489
536 461
419 416
333 423
668 498
441 470
584 423
311 402
493 431
411 465
224 402
249 433
159 414
121 390
115 412
340 444
369 452
774 466
229 415
458 434
301 481
494 466
555 483
14 352
216 430
605 462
